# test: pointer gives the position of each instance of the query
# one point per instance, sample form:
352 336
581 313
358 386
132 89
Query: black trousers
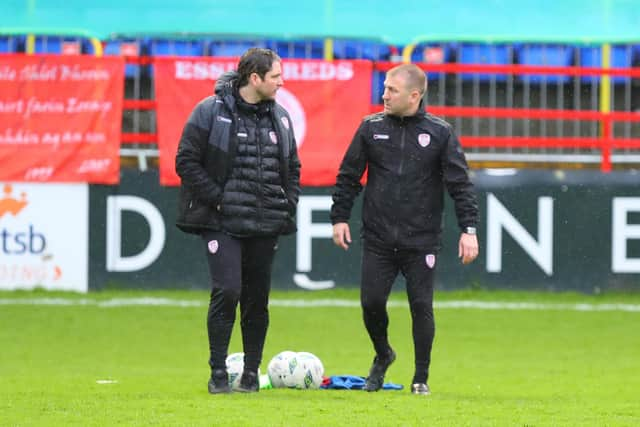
240 271
380 267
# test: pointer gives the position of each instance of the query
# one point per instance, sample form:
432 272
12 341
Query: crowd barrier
512 104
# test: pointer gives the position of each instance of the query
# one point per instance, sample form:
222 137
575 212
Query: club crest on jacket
424 139
430 259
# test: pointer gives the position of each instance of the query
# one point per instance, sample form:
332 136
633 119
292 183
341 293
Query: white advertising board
44 236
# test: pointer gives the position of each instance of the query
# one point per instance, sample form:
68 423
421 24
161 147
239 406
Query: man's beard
267 96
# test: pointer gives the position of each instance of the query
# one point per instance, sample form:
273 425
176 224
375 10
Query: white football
235 365
308 371
281 368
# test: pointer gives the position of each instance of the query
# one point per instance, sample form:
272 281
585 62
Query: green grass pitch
91 364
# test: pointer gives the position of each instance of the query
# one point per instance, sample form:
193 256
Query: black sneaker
248 382
420 388
375 380
219 382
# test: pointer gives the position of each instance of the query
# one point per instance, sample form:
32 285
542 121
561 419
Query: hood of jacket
225 89
225 83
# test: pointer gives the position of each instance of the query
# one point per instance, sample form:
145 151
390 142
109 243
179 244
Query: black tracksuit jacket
410 161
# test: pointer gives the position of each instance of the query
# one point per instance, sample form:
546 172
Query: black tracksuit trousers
380 267
240 271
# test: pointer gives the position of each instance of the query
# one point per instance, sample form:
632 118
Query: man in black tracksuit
411 156
239 169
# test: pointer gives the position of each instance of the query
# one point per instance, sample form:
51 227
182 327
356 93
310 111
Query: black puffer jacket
234 177
410 161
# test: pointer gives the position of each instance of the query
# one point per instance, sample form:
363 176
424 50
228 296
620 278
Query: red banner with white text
326 101
60 118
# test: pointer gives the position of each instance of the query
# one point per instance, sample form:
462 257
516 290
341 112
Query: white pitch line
106 381
302 303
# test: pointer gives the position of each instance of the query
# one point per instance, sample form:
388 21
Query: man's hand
467 248
341 235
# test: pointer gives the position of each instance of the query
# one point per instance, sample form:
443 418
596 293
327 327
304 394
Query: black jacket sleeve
456 178
348 184
191 155
293 178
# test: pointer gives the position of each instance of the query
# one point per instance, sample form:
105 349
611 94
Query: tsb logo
17 242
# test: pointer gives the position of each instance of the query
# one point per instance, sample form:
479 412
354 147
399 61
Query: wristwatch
470 230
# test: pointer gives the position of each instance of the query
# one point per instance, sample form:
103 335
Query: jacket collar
404 119
262 108
420 113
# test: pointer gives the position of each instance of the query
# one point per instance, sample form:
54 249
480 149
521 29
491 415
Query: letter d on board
115 260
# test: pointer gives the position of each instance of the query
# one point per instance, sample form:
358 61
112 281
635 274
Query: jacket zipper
396 228
402 143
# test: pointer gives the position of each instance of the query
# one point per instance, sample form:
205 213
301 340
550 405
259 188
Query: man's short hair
414 77
255 60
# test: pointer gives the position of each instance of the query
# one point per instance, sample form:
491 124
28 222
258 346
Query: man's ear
254 78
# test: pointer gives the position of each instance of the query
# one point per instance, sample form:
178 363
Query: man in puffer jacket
239 169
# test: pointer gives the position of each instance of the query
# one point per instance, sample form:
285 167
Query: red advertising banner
60 118
326 101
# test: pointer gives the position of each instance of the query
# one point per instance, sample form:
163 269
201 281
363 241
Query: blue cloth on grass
353 382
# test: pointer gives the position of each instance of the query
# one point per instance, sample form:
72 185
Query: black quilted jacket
234 177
